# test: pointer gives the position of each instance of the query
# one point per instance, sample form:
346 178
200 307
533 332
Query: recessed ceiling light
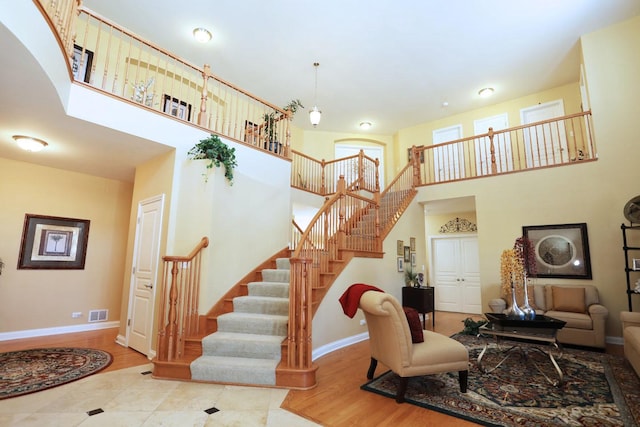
202 35
29 144
486 92
365 125
445 104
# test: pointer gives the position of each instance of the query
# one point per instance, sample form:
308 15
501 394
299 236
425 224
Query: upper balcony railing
116 61
555 142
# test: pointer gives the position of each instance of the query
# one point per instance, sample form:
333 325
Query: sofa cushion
415 326
574 320
568 299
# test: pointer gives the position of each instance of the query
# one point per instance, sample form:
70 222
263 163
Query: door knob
148 286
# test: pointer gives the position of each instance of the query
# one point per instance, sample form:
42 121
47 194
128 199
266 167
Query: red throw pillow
415 326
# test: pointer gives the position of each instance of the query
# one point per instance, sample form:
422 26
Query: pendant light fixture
315 115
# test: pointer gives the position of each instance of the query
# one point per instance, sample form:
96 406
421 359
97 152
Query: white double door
456 274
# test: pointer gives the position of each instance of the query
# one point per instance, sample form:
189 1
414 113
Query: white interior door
144 274
501 145
351 174
448 160
456 273
544 145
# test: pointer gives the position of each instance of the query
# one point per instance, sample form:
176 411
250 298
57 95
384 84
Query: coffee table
542 330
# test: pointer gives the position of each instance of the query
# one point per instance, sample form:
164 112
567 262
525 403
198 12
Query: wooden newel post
342 235
172 323
300 315
202 115
492 149
416 166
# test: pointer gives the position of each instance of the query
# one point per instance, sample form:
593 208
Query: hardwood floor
104 339
336 401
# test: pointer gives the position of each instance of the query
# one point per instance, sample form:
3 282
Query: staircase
247 347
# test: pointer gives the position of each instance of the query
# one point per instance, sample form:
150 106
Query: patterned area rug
598 389
28 371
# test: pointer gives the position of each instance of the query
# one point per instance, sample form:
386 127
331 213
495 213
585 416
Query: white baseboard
336 345
121 340
31 333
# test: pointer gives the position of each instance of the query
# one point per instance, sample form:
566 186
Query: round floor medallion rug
28 371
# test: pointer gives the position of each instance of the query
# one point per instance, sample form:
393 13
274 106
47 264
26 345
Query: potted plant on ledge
270 125
218 153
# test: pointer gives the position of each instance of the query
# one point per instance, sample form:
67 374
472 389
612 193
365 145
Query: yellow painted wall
37 299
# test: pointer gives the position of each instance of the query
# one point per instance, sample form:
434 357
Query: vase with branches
516 266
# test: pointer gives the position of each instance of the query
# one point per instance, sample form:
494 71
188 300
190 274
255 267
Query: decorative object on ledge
50 242
458 225
561 250
177 108
218 153
81 62
142 93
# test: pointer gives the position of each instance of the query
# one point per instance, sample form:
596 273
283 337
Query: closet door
456 274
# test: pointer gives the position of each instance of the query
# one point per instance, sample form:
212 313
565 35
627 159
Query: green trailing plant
472 327
218 153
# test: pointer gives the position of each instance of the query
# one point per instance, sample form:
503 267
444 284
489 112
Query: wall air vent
98 315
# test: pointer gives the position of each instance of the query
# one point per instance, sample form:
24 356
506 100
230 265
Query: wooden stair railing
178 317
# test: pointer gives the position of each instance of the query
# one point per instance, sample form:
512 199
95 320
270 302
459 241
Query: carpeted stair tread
276 275
262 305
235 370
253 323
269 289
283 264
233 344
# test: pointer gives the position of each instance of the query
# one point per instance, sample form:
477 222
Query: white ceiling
391 62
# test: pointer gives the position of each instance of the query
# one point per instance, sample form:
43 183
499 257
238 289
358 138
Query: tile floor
128 398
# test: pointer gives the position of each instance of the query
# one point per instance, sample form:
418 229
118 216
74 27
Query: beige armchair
391 343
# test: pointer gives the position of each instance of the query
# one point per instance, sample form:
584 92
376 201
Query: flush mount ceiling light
29 144
202 35
315 115
486 92
365 125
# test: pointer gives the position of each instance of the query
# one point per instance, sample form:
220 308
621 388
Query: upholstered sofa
631 334
578 305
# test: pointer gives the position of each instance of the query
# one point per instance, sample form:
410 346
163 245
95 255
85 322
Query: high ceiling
391 62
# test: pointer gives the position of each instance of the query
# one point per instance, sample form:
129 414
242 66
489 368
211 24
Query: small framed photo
412 243
81 62
400 264
413 259
50 242
636 264
407 254
177 108
400 250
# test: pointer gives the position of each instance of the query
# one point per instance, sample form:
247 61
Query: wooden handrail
178 317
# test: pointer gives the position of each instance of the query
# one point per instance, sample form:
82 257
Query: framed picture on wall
400 249
400 264
407 254
50 242
81 62
561 250
177 108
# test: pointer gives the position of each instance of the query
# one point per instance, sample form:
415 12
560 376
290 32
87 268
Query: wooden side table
422 299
